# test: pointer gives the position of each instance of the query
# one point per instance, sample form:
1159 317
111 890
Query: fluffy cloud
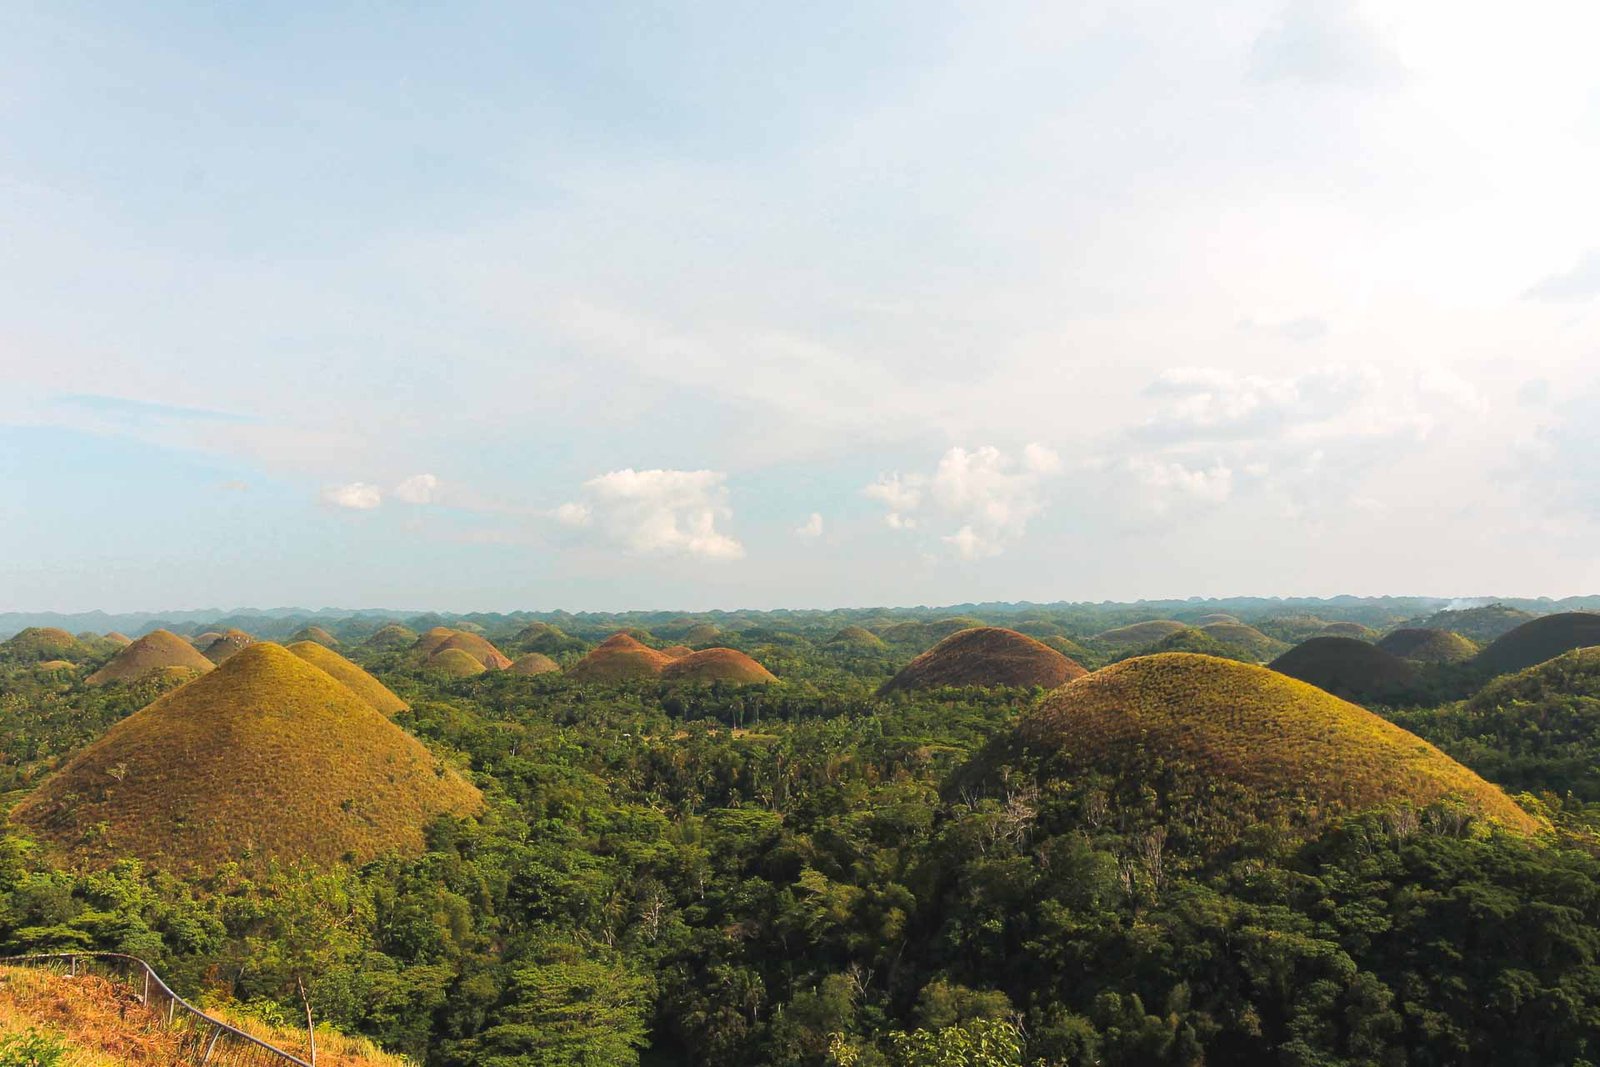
656 512
987 494
361 496
417 489
1168 485
811 529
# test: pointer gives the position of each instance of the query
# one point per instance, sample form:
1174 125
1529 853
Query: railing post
72 966
144 997
205 1057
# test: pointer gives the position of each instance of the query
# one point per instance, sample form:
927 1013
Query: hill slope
1428 646
619 658
1540 639
533 663
1138 635
479 648
717 665
985 656
1349 668
364 685
37 644
455 663
1290 752
265 758
155 651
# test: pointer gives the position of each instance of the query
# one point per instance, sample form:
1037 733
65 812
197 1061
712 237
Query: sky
609 306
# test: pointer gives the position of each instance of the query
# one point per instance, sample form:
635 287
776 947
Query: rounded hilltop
858 638
1426 645
364 685
156 651
38 644
267 758
317 634
479 648
454 663
1138 634
1247 639
533 663
985 656
1349 668
1540 639
392 636
1231 744
228 645
619 658
717 665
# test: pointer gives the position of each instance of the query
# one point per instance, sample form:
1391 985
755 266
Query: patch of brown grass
363 684
986 656
533 663
155 651
619 658
1138 635
717 665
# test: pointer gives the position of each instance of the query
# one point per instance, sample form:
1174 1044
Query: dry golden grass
363 684
533 663
1429 646
1289 745
1540 639
479 648
228 645
455 663
265 758
717 665
39 643
619 658
317 634
1349 668
1247 639
985 656
676 651
429 642
1138 635
117 637
155 651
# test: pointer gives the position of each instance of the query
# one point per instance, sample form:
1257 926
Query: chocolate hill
717 665
1540 639
1247 639
985 656
455 663
619 658
1240 744
1138 635
230 644
479 648
1428 646
533 663
266 758
392 636
158 650
317 634
1349 668
37 644
856 637
117 637
364 685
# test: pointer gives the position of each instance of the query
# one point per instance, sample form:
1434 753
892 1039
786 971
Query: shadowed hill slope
156 651
985 656
1428 646
265 758
1349 668
619 658
1540 639
364 685
1239 742
717 665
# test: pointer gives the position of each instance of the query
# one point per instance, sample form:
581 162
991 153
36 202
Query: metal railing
203 1040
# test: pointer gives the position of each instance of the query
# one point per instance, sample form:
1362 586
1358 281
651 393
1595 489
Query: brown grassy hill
1216 616
429 642
1349 668
1247 639
1138 635
533 663
317 634
230 644
265 758
676 651
1540 639
479 648
1429 646
364 685
1238 743
701 633
117 637
200 641
392 636
39 643
156 651
717 665
619 658
985 656
455 663
858 637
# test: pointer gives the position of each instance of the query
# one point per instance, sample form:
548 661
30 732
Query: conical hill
1241 744
1138 634
533 663
1424 645
228 645
619 658
158 650
985 656
392 636
317 634
267 758
455 663
1540 639
717 665
1349 668
38 644
364 685
479 648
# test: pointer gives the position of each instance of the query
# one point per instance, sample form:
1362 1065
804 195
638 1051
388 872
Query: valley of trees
808 873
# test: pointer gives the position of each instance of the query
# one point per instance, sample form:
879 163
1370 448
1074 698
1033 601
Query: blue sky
715 305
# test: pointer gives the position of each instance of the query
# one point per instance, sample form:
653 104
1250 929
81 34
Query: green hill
455 663
265 758
1351 669
39 643
1137 635
985 656
1480 624
856 637
158 650
1247 639
392 636
1229 745
317 634
1540 639
1428 646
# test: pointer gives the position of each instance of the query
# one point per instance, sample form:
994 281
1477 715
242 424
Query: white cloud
358 495
989 494
1169 485
1323 42
1579 283
417 489
811 529
657 512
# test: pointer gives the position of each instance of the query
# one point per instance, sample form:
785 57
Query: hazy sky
477 306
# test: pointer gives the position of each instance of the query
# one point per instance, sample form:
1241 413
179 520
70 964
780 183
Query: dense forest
810 873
